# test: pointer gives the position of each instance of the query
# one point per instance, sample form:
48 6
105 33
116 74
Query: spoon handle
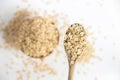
71 72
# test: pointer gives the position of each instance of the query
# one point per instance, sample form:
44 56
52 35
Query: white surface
102 15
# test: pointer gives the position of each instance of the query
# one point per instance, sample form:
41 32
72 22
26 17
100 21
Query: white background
102 15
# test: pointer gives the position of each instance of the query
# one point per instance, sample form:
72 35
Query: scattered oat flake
7 72
17 6
113 58
84 72
78 72
1 46
25 0
97 57
64 62
42 76
52 72
96 78
114 44
100 49
36 13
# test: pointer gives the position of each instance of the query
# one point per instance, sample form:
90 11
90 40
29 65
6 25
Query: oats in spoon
75 41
